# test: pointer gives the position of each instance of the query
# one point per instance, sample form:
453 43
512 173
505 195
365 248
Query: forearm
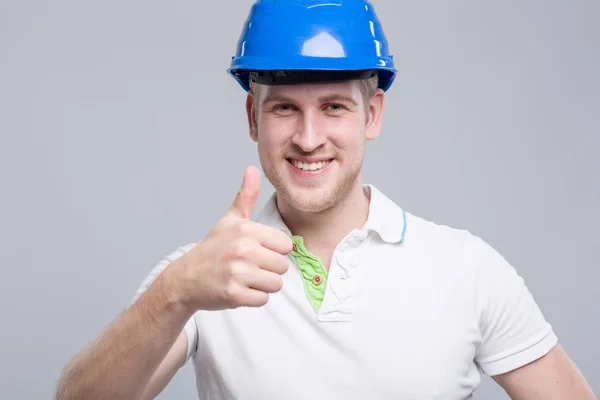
121 361
554 376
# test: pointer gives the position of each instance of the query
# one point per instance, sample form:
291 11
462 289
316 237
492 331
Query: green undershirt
311 269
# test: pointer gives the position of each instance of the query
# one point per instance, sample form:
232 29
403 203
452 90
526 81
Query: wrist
172 291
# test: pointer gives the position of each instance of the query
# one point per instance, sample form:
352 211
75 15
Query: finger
265 281
271 261
272 238
255 298
245 200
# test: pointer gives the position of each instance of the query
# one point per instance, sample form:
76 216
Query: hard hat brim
241 67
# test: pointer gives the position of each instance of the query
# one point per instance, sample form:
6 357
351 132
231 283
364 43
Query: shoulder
455 250
178 252
162 264
426 234
172 256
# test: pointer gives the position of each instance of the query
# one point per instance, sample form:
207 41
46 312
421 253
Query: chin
312 196
308 199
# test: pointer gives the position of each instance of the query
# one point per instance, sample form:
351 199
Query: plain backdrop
122 137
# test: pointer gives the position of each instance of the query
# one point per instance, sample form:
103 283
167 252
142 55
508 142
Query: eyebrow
323 99
277 98
338 97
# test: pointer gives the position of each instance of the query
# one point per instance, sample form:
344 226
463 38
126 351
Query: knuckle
243 229
232 293
234 273
241 249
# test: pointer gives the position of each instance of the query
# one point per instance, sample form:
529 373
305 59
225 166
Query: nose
309 134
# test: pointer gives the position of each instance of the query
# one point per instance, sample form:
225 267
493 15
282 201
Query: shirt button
294 247
317 279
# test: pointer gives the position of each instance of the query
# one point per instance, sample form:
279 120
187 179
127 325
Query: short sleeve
190 326
513 329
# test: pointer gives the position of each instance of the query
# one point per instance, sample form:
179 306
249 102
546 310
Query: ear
375 115
251 114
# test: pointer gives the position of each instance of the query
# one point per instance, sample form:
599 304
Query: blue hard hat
293 41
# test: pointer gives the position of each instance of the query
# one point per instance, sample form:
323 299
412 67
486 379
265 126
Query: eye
283 108
335 107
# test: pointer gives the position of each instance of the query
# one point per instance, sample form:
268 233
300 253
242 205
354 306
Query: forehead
312 91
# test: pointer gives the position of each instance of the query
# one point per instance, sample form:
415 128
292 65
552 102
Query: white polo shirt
409 309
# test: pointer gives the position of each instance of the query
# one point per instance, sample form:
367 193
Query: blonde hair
368 87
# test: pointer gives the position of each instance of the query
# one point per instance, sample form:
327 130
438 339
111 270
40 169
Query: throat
325 260
323 253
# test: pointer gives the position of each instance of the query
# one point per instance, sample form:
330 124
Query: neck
322 231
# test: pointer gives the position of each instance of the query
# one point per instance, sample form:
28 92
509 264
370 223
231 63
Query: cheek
349 137
270 145
274 135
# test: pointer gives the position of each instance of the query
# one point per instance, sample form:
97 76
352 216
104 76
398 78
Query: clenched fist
238 263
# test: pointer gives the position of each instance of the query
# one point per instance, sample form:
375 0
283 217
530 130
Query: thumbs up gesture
239 263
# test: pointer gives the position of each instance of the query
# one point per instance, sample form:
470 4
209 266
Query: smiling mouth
315 166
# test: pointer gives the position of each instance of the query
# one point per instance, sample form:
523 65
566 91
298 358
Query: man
335 292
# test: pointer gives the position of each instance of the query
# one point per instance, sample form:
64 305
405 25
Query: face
311 140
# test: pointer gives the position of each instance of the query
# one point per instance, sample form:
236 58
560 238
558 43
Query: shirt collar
385 218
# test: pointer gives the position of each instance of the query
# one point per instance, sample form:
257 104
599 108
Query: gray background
122 137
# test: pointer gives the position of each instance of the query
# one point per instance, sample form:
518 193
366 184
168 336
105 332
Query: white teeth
309 166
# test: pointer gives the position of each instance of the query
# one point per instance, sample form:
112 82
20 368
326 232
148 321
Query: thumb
245 200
